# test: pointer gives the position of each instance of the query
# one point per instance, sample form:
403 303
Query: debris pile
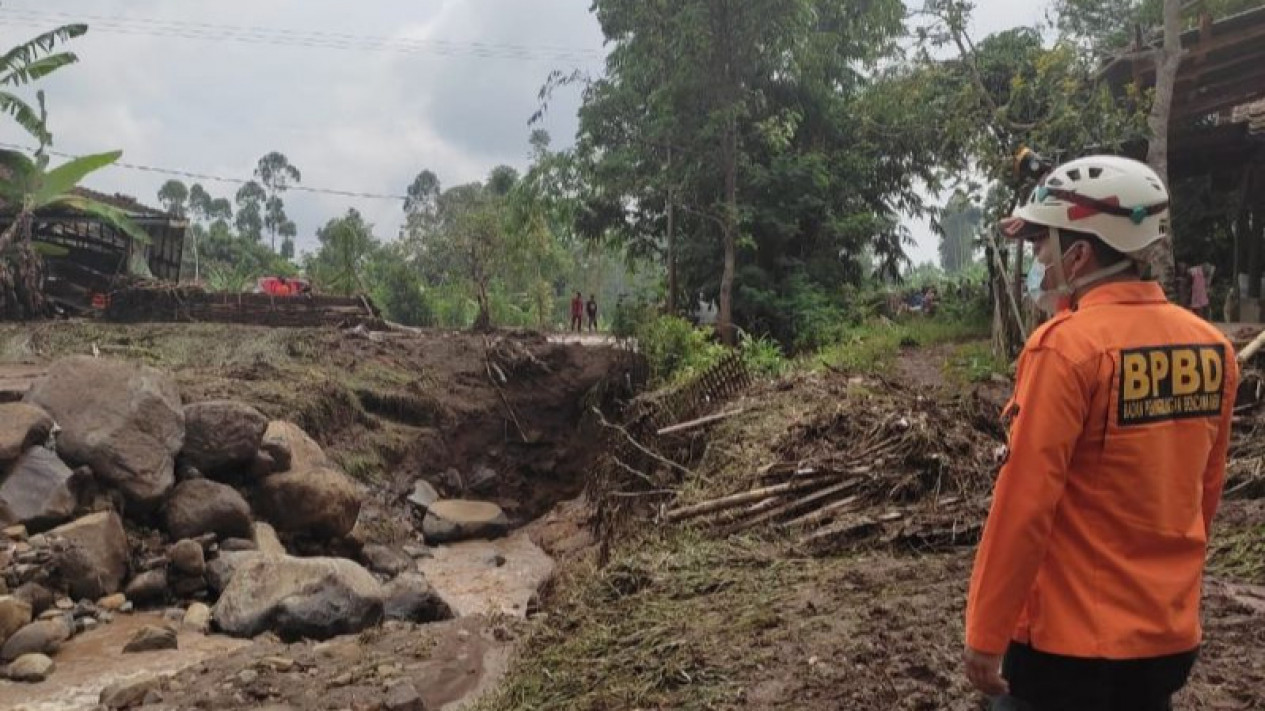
116 496
896 468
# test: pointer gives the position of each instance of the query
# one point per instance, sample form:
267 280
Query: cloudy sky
361 96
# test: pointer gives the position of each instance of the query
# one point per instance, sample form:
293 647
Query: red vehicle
283 286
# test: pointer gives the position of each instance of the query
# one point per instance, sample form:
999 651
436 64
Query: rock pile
114 494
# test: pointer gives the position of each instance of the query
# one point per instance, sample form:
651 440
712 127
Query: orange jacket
1095 543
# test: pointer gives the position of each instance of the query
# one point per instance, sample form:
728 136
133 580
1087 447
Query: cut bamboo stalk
849 527
823 513
1250 350
792 506
700 422
746 497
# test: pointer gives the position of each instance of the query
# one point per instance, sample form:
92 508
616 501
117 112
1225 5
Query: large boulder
385 560
221 569
201 506
291 448
299 598
15 613
320 502
222 437
30 668
40 637
122 420
93 563
410 598
39 491
22 426
457 520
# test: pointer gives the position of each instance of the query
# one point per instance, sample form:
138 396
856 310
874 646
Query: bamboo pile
919 478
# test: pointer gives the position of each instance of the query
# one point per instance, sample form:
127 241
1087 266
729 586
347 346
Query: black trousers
1049 682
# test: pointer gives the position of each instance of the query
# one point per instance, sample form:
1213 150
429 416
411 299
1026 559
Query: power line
303 39
213 178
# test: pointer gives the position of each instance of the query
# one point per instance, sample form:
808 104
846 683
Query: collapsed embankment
411 418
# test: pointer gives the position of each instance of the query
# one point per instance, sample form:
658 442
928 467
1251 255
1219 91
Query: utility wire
310 40
213 178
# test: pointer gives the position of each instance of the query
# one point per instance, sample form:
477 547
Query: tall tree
288 232
741 117
250 211
959 225
1168 59
174 196
347 246
277 175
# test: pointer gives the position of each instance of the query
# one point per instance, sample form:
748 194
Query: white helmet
1121 201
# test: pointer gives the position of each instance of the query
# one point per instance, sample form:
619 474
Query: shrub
675 349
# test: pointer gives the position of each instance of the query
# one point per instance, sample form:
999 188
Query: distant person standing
1199 301
591 308
577 312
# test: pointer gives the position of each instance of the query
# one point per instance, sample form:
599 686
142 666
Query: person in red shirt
577 313
1086 586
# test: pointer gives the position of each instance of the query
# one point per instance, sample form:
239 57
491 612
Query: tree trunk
671 255
22 275
1167 61
725 322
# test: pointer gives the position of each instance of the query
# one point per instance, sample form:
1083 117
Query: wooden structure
86 255
1217 133
158 302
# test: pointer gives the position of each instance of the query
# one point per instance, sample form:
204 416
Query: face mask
1051 300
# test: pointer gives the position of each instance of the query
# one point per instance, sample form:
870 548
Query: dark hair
1105 254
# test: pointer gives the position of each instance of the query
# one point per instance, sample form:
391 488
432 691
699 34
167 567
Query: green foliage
347 247
676 350
873 347
174 196
762 355
27 63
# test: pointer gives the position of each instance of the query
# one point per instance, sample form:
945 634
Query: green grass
976 363
872 348
669 623
1239 555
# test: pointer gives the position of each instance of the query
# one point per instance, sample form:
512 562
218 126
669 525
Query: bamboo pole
746 497
793 506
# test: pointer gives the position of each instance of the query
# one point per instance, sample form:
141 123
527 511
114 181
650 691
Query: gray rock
94 562
200 506
423 495
237 545
22 426
315 598
128 694
410 598
267 541
40 637
35 595
263 465
148 587
39 491
122 420
151 638
220 570
222 437
417 551
15 613
482 480
188 586
457 520
197 618
32 668
403 696
385 560
320 502
291 448
187 557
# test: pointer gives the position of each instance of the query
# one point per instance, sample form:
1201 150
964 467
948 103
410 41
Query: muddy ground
694 616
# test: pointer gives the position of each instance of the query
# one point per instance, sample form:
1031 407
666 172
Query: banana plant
27 63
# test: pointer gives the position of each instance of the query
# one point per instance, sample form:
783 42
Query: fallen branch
644 450
700 422
746 497
487 363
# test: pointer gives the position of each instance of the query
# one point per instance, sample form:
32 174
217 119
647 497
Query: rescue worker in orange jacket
1086 586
